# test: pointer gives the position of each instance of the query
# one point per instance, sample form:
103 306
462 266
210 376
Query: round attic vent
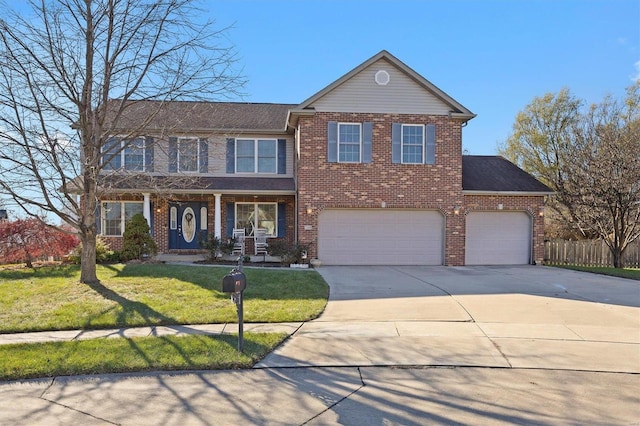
382 78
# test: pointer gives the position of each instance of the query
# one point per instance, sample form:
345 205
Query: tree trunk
88 259
617 257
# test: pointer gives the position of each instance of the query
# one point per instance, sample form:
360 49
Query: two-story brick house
369 170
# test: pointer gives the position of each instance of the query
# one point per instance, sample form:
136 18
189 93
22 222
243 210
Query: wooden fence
588 253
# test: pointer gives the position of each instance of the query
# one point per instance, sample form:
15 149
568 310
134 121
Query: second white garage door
498 238
380 237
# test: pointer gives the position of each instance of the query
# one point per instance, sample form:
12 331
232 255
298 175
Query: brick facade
533 205
334 185
383 184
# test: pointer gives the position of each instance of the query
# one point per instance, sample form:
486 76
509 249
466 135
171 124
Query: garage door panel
498 238
373 237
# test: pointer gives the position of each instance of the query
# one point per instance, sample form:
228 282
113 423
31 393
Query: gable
400 90
401 95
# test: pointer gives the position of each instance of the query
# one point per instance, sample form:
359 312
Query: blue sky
493 56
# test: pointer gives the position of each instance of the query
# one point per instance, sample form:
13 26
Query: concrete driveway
576 337
508 317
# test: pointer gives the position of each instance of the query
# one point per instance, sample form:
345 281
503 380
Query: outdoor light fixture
541 212
456 210
309 210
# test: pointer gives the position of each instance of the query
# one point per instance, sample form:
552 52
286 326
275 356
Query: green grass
52 298
196 352
630 273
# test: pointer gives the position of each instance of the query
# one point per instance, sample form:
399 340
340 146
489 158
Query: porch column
146 208
217 217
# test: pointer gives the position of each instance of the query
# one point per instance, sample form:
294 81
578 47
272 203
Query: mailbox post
235 282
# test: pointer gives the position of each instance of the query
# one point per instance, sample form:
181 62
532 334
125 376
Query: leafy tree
136 240
27 240
70 71
542 142
590 158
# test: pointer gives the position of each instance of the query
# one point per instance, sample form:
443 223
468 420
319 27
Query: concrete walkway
413 345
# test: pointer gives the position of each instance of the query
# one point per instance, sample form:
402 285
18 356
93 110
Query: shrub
288 253
104 254
136 240
215 246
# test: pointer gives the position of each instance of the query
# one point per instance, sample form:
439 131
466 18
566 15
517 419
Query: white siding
498 238
380 237
402 95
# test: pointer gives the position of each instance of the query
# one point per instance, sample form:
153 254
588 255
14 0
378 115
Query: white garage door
380 237
498 238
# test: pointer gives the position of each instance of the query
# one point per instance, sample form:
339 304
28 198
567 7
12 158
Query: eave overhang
509 193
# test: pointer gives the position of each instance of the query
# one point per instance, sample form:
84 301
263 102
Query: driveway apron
507 317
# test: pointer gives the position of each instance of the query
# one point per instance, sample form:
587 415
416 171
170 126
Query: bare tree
591 159
70 70
604 174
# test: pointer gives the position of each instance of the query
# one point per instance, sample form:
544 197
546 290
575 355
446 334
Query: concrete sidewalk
165 330
413 345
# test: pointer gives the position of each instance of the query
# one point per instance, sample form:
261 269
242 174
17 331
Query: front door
187 225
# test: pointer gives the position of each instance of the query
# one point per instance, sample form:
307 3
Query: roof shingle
194 116
497 174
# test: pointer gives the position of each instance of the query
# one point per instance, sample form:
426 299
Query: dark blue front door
187 225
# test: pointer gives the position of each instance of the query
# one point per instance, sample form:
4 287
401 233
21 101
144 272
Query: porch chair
260 235
238 238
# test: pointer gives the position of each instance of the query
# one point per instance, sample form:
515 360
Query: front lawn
52 298
630 273
97 356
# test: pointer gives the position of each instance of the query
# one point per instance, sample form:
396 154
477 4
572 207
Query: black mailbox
234 282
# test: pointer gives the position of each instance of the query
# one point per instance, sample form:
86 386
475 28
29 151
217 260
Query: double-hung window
250 216
134 155
121 153
349 142
256 156
115 214
412 143
188 151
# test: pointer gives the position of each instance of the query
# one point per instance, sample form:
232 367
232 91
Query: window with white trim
349 142
256 156
188 154
257 215
121 153
115 214
413 144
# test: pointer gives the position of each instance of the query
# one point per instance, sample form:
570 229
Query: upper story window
412 143
264 156
188 151
188 155
256 156
121 153
349 142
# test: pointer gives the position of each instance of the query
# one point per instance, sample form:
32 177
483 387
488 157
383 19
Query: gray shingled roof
497 174
190 116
